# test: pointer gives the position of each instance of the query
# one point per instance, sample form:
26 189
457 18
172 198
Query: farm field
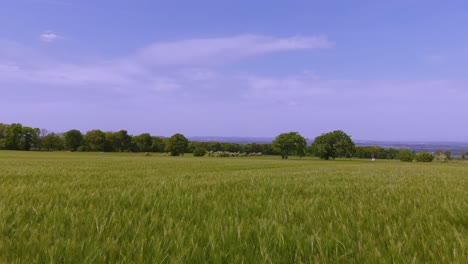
61 207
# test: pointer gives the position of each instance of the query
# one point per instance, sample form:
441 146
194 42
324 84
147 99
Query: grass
127 208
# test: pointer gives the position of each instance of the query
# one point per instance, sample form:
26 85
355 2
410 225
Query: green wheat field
130 208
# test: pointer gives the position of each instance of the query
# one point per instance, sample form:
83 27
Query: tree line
331 145
18 137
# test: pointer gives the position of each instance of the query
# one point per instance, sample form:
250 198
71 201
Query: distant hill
455 147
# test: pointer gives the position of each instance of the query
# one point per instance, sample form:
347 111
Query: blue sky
379 70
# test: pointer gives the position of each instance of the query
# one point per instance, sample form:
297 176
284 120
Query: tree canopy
405 155
73 139
95 140
177 145
143 142
335 144
291 143
424 157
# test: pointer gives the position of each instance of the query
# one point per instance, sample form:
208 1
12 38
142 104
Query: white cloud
162 66
49 37
189 68
214 51
288 87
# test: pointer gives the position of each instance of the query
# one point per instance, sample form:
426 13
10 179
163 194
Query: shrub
405 155
199 152
424 157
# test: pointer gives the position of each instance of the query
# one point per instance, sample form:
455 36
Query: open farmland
99 207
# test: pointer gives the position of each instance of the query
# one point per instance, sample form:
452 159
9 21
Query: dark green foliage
214 146
118 141
13 136
368 152
291 143
335 144
177 145
95 140
265 149
405 155
3 133
121 141
36 139
230 147
73 139
142 143
28 135
18 137
194 145
157 144
199 152
424 157
53 141
254 148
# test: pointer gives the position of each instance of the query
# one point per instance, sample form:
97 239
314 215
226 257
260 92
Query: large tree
3 133
406 155
13 137
177 144
52 142
157 144
335 144
143 142
123 140
73 139
28 135
95 140
291 143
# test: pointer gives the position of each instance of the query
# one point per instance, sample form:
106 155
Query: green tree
214 146
36 139
195 144
3 130
13 137
335 144
53 142
230 147
424 157
252 148
177 144
95 140
3 133
73 139
405 155
291 143
109 144
392 153
143 142
27 137
123 141
157 144
118 141
199 152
